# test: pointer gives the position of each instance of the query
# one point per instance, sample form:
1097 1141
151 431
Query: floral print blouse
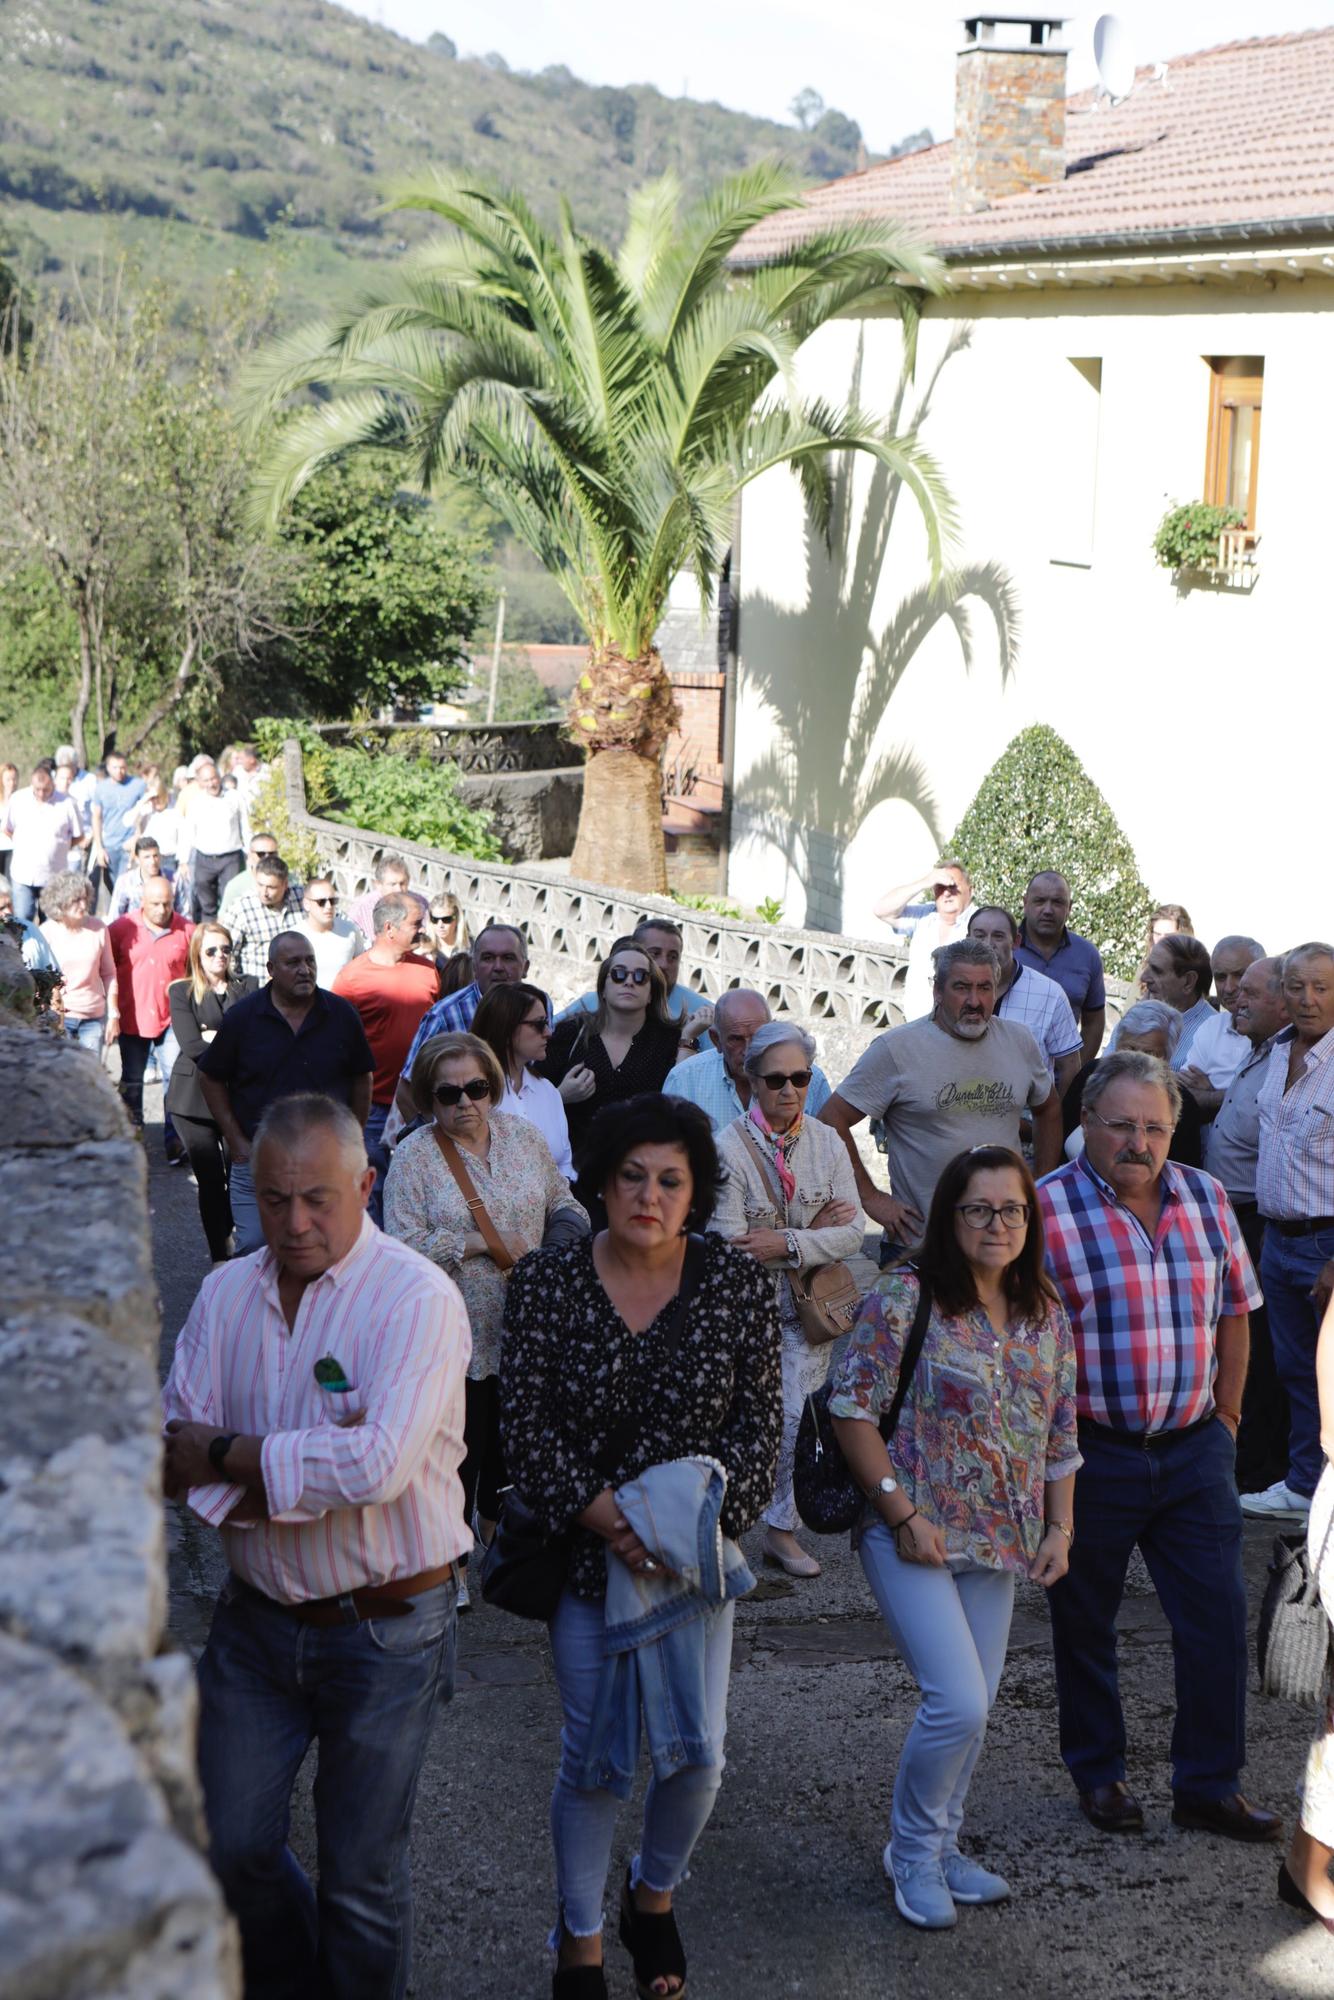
523 1190
570 1370
986 1422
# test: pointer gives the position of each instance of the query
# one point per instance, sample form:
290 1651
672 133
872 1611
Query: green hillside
183 131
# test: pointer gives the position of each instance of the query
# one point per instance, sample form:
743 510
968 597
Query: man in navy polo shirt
288 1038
1047 945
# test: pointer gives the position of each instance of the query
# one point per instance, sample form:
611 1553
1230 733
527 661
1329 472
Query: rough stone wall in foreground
104 1890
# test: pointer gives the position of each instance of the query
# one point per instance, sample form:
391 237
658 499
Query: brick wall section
1009 125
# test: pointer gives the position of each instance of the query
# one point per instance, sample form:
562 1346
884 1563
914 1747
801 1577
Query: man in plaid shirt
1149 1261
256 920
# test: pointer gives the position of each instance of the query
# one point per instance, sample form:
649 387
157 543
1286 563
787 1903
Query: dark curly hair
652 1120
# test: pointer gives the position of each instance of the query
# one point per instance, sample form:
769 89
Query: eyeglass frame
995 1213
629 975
452 1094
1130 1127
775 1079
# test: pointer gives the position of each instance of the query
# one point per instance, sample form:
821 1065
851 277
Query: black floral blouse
649 1061
570 1370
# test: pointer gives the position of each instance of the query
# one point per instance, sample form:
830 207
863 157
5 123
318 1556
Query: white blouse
542 1105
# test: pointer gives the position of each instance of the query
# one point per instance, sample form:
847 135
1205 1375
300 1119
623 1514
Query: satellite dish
1111 52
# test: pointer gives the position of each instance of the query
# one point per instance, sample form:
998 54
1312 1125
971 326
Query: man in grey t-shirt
957 1078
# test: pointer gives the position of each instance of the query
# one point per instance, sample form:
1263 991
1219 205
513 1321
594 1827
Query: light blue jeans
245 1209
952 1628
89 1034
676 1810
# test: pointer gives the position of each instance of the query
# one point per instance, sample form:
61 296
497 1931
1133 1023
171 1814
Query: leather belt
1307 1226
371 1600
1141 1439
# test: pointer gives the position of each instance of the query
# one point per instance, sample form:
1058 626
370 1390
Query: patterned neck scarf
779 1146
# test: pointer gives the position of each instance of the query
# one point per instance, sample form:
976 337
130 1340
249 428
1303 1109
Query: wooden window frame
1228 394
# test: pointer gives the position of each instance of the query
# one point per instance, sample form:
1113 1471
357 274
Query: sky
887 63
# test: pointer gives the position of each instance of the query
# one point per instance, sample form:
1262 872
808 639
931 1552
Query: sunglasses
449 1094
775 1079
539 1025
322 902
946 889
444 916
217 951
636 975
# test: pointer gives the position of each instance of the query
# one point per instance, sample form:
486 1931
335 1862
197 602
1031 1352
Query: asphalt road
786 1897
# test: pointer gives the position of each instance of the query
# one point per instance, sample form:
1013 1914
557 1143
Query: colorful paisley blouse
986 1422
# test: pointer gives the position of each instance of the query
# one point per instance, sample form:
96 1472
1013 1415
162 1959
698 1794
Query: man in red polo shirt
151 947
391 988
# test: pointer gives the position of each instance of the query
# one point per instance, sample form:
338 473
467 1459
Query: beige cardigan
750 1197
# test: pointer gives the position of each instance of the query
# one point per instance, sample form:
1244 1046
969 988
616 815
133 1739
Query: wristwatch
889 1484
218 1448
793 1251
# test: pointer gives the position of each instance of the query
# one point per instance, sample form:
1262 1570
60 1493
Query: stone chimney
1009 109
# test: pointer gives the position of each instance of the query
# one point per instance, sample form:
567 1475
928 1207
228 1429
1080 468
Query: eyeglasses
634 975
981 1214
322 902
449 1094
775 1079
1129 1128
540 1026
946 889
216 951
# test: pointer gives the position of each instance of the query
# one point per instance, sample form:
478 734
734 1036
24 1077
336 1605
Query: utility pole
495 658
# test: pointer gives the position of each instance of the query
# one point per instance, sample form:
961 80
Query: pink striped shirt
347 1507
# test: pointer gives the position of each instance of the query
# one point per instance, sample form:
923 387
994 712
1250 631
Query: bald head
736 1016
1259 1011
1047 906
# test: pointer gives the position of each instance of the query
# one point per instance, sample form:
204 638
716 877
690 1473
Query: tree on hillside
806 107
611 407
1038 808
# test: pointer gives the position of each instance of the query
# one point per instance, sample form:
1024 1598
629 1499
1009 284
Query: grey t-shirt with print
939 1094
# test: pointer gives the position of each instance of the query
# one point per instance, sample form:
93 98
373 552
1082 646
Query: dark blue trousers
1178 1500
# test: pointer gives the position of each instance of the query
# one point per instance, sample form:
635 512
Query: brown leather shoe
1232 1817
1112 1809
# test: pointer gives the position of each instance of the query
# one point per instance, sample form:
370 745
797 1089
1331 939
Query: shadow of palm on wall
828 680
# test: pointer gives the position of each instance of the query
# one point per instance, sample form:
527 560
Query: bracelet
1063 1528
904 1522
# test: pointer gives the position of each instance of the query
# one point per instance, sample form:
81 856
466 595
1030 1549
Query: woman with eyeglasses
789 1201
626 1047
198 1003
512 1021
975 1488
447 927
458 1084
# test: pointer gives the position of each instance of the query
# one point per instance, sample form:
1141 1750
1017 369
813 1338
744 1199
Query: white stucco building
1141 311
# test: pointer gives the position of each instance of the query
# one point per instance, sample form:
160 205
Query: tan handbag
827 1298
453 1159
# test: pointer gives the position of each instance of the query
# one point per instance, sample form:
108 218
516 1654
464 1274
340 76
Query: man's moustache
1134 1159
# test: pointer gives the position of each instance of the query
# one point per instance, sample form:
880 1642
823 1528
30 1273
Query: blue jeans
1178 1500
1289 1266
952 1629
676 1810
134 1053
245 1208
25 901
89 1035
378 1155
366 1692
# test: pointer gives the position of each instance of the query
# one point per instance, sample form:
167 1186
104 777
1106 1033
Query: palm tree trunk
620 838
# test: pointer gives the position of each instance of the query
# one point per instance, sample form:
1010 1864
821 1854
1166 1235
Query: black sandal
654 1944
578 1982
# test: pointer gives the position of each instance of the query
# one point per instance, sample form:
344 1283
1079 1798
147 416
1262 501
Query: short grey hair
66 754
64 890
388 862
724 1001
1148 1017
1131 1066
777 1035
392 909
288 1120
1311 950
965 951
1250 944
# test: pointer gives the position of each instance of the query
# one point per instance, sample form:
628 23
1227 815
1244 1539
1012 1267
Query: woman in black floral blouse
628 1046
585 1328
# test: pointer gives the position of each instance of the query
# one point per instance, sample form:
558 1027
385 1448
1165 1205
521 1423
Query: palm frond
708 235
650 232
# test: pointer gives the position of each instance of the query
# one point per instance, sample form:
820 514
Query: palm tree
610 406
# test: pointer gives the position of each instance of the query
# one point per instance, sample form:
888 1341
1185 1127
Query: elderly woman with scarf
790 1201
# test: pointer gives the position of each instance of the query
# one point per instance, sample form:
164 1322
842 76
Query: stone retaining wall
104 1890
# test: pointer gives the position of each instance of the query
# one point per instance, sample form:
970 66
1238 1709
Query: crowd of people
472 1255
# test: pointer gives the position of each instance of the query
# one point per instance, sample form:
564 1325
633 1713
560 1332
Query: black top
189 1019
649 1061
1187 1147
259 1058
571 1370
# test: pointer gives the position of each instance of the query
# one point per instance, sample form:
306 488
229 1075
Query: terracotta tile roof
1237 136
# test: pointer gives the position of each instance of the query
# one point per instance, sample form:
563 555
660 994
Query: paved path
787 1896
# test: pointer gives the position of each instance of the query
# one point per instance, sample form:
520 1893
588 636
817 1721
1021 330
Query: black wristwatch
218 1448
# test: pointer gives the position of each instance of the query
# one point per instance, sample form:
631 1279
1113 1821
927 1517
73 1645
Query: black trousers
212 873
1262 1441
483 1469
208 1162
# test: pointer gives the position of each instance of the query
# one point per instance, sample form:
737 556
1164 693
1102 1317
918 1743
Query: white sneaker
921 1894
463 1602
969 1882
1277 1503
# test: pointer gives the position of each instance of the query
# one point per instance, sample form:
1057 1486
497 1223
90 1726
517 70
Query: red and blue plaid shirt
1145 1312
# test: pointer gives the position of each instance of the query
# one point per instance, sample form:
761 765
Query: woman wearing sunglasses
790 1201
512 1021
627 1047
975 1487
198 1003
458 1084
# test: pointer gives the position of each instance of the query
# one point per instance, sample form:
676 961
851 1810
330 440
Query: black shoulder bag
525 1568
828 1498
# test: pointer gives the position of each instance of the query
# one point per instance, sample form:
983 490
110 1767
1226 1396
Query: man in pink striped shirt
315 1417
